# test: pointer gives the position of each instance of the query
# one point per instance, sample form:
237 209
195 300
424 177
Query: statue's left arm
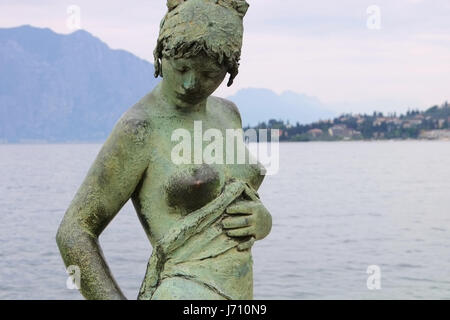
246 218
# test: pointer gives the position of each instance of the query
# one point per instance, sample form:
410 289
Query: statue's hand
247 218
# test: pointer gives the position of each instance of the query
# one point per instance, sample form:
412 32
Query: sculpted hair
212 27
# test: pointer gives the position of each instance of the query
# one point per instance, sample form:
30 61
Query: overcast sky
321 48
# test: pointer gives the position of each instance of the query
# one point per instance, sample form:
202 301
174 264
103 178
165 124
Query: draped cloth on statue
199 250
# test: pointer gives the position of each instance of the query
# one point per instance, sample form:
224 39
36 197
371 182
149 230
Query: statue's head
196 28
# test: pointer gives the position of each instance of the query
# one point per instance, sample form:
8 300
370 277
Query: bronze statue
201 219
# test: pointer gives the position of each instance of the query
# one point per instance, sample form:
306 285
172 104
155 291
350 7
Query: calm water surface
337 208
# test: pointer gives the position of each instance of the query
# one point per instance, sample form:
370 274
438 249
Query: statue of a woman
201 219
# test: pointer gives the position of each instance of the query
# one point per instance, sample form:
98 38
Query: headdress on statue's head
214 27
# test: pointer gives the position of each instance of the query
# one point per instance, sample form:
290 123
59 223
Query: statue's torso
168 192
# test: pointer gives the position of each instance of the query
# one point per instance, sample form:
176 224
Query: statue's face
191 80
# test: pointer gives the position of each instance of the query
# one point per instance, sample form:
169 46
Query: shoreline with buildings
432 124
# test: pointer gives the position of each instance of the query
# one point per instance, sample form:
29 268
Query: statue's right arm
109 184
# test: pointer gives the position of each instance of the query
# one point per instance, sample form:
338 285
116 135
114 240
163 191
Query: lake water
337 209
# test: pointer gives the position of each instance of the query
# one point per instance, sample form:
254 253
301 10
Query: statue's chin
186 103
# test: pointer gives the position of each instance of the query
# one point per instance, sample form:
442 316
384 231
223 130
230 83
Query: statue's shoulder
227 106
136 122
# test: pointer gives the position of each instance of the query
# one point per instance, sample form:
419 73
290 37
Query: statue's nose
189 81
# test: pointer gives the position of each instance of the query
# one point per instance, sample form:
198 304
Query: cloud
321 48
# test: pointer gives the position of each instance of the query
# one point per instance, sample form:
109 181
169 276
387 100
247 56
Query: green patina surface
201 219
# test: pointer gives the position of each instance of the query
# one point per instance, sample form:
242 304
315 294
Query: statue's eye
182 69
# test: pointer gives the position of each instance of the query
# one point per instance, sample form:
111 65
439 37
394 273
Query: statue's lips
188 97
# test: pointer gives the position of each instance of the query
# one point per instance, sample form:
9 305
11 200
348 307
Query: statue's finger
241 232
241 207
246 245
236 222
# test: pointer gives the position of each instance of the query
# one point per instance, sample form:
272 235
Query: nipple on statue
192 187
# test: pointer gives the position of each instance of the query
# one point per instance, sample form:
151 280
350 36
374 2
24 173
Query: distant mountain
258 105
73 87
65 87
